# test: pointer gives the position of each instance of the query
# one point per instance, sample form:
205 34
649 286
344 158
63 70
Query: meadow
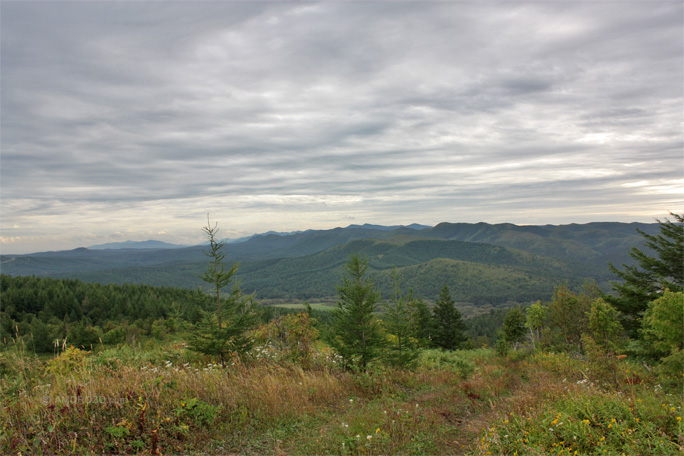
153 398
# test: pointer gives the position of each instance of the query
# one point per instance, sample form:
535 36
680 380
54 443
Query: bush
115 336
69 361
450 361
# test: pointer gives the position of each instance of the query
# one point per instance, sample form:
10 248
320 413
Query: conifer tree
219 333
651 276
355 332
402 346
448 323
421 320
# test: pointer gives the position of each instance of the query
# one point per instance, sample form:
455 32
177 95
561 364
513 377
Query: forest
140 369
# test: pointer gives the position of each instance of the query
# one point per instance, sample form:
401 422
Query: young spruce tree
448 329
224 331
402 345
356 334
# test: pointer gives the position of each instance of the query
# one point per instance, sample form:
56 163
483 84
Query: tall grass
167 400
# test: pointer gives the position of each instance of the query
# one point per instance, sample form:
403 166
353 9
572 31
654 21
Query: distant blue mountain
136 245
413 226
255 235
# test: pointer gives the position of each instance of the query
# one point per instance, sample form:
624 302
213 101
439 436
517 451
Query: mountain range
483 264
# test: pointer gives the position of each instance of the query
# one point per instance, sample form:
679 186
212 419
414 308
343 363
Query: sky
133 120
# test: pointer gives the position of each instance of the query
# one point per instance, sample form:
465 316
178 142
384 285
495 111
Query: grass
168 400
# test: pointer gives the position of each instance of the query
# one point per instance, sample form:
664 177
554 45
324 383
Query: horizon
134 120
286 233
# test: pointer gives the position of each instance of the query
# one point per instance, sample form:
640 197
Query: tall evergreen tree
448 332
651 276
421 320
355 332
219 334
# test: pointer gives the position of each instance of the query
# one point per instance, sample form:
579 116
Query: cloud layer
133 120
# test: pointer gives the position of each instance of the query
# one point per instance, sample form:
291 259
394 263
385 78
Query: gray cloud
139 117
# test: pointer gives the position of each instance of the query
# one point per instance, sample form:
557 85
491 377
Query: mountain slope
481 262
151 244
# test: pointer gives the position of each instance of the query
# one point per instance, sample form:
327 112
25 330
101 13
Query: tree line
643 317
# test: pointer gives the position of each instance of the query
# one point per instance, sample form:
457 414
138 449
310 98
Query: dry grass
164 400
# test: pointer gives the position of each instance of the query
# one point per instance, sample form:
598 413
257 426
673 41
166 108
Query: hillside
481 263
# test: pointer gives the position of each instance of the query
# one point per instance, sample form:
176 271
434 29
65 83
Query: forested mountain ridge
482 263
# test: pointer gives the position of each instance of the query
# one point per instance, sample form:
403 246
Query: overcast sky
133 120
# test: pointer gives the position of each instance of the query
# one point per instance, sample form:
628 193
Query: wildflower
369 437
679 418
377 430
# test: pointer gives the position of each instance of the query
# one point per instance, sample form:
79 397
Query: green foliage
652 275
513 328
59 308
216 274
41 339
536 321
592 422
664 331
604 324
84 336
454 361
398 320
232 336
115 336
604 364
421 320
218 334
663 321
356 333
197 411
448 323
69 361
293 336
568 315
